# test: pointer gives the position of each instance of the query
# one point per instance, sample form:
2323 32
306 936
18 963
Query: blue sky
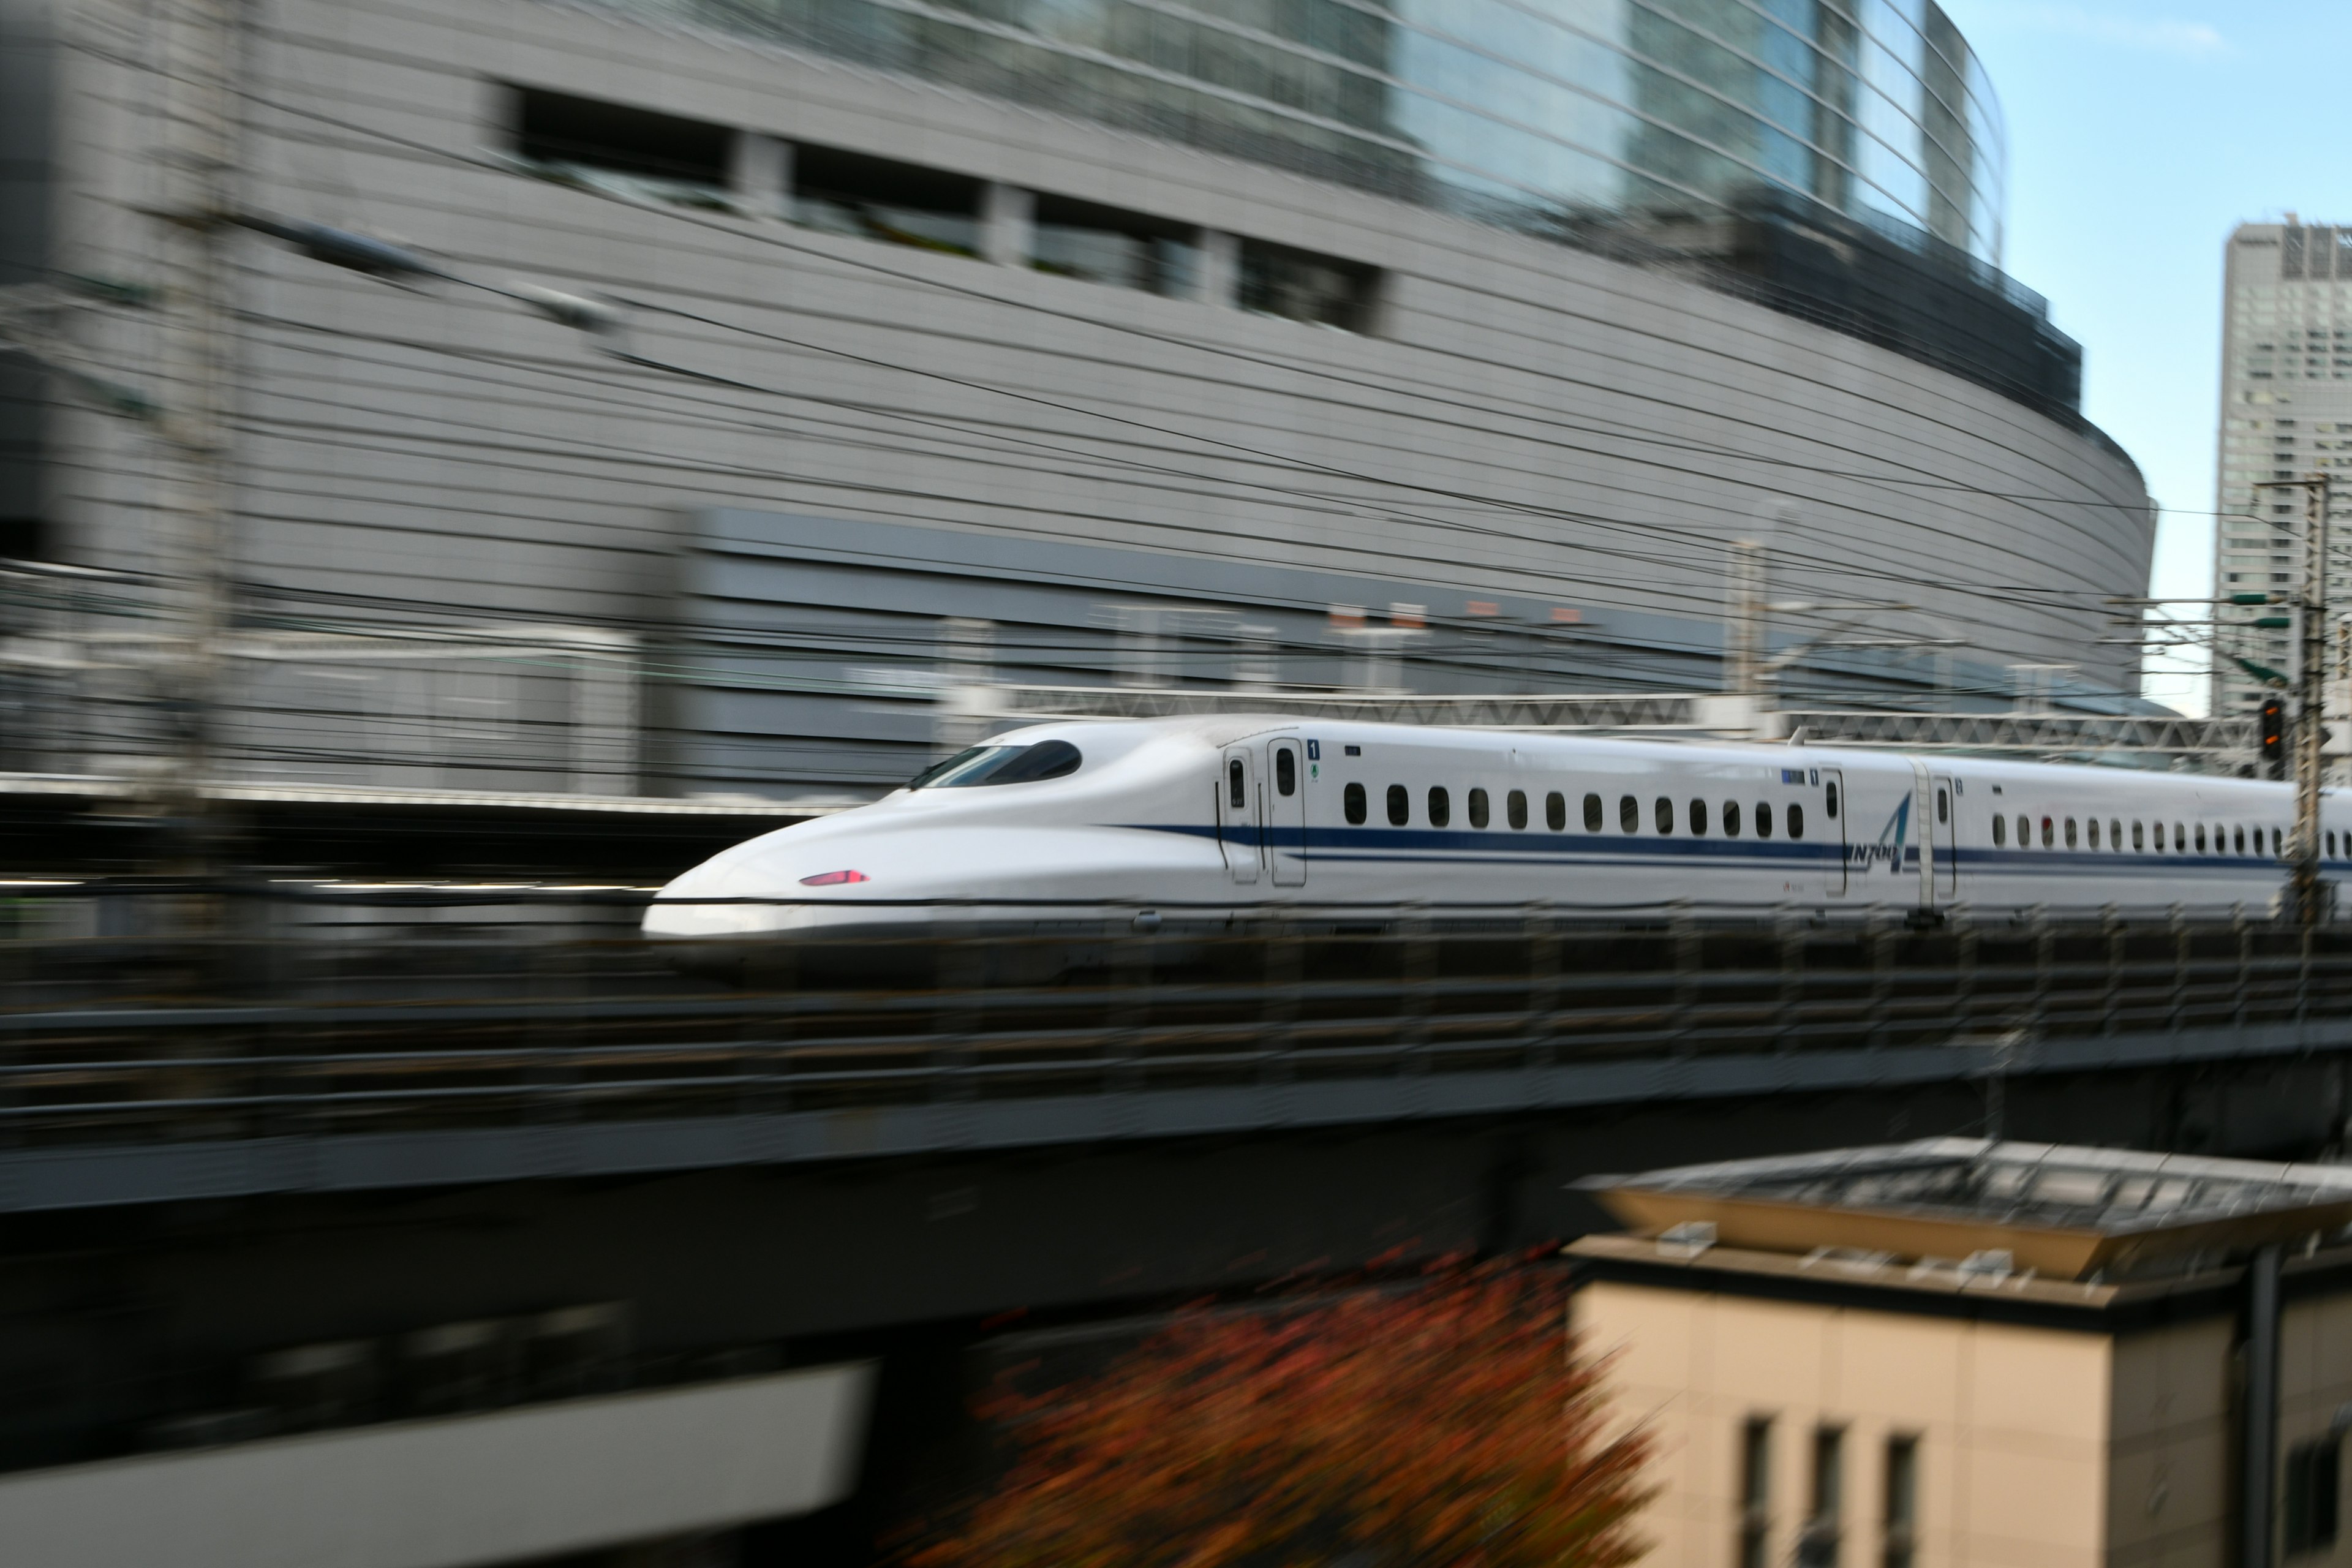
2139 132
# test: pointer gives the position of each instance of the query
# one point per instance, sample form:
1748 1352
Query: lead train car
1217 819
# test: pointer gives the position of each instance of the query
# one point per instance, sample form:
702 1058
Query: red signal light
834 878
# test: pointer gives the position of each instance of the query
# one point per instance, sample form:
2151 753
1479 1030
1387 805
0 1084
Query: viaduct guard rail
539 1037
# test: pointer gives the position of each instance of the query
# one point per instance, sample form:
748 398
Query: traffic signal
2274 730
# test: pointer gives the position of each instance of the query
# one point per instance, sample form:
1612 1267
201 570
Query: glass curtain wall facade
1534 113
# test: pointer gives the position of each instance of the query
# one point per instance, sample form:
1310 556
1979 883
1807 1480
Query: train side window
2115 833
1943 803
1399 805
1285 770
2331 847
1591 813
1796 820
2278 844
1555 812
1664 815
2094 831
2241 838
2139 835
1629 814
2024 833
2180 837
2201 838
1236 789
2000 831
1352 799
1478 808
1698 817
1763 819
1441 807
1731 820
1829 802
1514 807
2049 833
2070 833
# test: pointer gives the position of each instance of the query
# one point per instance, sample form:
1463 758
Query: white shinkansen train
1218 818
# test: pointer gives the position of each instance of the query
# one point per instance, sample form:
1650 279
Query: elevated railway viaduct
372 1141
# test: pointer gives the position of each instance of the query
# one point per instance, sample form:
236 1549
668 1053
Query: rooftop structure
2069 1212
1956 1352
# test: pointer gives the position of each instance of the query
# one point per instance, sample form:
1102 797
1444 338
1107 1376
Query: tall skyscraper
2287 412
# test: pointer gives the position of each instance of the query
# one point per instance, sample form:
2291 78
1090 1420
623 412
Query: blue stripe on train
1487 847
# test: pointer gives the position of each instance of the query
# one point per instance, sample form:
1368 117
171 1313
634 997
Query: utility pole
193 539
2310 692
1743 631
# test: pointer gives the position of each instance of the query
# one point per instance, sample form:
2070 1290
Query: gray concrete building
1286 344
2286 414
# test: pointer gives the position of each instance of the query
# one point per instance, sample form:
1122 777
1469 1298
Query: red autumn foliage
1442 1423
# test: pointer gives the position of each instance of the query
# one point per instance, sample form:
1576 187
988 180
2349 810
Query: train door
1239 816
1285 836
1834 807
1947 836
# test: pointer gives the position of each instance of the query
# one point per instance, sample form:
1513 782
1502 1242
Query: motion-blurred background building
1278 345
2287 410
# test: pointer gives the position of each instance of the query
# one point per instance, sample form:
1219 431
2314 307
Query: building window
1902 1539
1103 245
848 193
2312 1484
1278 282
1756 1493
678 156
1817 1543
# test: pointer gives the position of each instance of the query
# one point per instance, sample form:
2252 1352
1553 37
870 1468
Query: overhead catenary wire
1627 434
1700 539
746 229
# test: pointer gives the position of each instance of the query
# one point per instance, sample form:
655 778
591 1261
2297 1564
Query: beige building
1953 1352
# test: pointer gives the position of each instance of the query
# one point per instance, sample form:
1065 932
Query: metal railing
355 1015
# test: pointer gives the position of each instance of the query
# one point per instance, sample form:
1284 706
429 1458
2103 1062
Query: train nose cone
697 904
